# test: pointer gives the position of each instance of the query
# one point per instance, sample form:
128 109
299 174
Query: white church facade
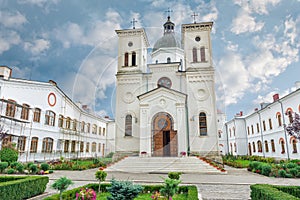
45 124
166 107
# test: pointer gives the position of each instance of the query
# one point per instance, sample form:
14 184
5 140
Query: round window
197 39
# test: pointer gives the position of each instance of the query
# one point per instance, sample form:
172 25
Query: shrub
264 191
100 175
291 165
28 165
266 169
20 167
170 188
293 171
10 171
44 166
22 187
8 154
123 190
282 173
33 168
110 155
289 175
61 185
14 164
174 175
3 166
254 165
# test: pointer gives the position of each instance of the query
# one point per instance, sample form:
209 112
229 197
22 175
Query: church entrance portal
164 141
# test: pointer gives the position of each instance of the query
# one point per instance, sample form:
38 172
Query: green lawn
103 196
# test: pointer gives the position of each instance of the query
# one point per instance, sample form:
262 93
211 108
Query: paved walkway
233 185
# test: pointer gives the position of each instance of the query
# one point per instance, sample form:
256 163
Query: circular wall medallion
197 39
202 94
130 44
51 99
128 97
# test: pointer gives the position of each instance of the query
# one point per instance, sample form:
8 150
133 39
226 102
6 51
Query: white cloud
23 72
244 22
95 33
233 78
268 98
40 3
7 39
257 6
290 30
37 46
12 20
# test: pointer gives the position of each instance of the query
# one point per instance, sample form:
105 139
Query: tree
61 184
293 128
170 188
100 175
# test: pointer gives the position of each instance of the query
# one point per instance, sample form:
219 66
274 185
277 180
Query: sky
73 42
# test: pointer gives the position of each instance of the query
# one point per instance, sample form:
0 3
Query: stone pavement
233 185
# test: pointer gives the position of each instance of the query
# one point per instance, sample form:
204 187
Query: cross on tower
133 23
194 16
169 12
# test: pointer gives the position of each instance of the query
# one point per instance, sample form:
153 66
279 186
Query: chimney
5 72
275 97
84 107
297 85
241 113
106 117
256 109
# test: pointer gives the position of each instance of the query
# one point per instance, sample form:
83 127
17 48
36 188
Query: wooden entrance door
164 137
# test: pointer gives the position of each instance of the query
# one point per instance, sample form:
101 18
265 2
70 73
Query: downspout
248 153
226 128
187 127
261 135
234 134
286 141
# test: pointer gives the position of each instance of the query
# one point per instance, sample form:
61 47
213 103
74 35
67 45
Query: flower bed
185 192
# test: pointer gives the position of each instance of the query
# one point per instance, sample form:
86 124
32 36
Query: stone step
162 165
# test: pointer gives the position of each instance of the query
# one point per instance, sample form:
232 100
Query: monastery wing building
168 107
46 124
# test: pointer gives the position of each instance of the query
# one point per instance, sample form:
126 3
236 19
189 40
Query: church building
166 108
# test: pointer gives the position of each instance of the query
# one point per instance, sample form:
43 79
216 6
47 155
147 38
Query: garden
265 166
125 190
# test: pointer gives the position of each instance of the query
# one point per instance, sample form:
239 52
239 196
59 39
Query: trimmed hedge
22 187
270 192
192 193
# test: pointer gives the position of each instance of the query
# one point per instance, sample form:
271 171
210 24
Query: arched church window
202 53
294 146
133 59
202 124
128 125
126 60
168 60
195 54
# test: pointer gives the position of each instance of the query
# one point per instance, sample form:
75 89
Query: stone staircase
156 165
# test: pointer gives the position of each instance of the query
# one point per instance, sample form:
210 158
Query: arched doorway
164 142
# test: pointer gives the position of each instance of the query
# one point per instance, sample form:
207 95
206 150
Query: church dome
169 38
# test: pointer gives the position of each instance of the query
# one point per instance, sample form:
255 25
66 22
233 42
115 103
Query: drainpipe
226 128
261 135
187 127
286 141
248 153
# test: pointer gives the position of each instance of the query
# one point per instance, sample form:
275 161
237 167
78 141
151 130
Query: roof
167 41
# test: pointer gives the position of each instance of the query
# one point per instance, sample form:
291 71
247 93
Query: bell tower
132 53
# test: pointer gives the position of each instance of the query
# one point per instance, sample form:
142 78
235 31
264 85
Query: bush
282 173
28 165
3 166
266 169
291 165
22 187
61 185
14 164
33 168
110 155
44 166
20 167
10 171
264 191
292 190
9 155
123 190
293 172
174 175
254 165
170 188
